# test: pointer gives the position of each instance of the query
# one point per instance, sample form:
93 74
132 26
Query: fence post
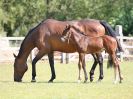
118 30
63 57
67 58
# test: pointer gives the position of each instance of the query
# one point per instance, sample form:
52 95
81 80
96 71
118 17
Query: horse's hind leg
100 61
51 62
93 67
39 55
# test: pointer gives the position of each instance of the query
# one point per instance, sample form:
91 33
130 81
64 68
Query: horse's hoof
115 82
50 81
91 79
101 77
33 80
85 81
99 80
79 81
120 81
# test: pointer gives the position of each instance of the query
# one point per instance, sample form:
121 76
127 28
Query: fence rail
10 45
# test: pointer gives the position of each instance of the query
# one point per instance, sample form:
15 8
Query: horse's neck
25 49
78 39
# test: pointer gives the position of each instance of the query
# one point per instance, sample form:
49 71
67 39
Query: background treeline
18 16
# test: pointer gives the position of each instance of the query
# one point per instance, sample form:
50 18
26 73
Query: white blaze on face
63 39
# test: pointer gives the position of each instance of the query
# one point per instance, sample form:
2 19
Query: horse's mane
30 31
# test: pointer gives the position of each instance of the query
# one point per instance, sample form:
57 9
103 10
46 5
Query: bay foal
91 45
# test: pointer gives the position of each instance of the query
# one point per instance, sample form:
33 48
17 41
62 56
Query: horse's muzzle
17 80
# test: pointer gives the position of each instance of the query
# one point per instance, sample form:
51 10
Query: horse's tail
112 33
109 62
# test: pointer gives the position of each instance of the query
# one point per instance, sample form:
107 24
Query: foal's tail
112 33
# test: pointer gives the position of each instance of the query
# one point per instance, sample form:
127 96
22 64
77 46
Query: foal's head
70 29
66 33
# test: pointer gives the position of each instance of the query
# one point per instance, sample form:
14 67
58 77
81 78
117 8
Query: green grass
65 86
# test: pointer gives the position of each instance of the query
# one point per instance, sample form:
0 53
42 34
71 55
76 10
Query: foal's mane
82 33
78 30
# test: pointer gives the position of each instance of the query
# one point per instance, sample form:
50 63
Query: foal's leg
116 68
93 67
39 55
79 67
82 59
119 70
51 62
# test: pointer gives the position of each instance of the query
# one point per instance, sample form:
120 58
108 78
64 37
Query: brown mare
92 45
47 38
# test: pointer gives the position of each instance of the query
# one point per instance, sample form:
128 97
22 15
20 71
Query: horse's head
19 69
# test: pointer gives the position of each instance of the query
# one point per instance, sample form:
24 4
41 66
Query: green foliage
18 16
125 17
22 15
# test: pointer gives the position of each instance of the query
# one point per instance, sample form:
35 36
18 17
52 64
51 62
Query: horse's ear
68 26
14 55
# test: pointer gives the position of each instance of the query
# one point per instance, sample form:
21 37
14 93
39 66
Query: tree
22 15
125 16
19 16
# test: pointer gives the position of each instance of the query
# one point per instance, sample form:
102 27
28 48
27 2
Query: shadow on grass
2 81
46 82
7 81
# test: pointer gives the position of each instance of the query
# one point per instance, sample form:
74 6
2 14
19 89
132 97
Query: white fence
10 45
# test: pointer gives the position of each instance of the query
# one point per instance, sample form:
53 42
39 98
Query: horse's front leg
51 62
93 67
82 59
39 55
100 61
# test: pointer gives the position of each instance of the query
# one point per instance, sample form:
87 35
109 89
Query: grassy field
65 86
